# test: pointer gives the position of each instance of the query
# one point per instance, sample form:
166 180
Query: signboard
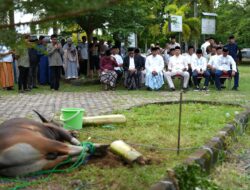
132 39
176 23
208 26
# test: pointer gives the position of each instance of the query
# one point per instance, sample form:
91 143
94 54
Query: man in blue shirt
233 50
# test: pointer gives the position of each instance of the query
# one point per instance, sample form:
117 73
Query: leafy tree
190 25
233 18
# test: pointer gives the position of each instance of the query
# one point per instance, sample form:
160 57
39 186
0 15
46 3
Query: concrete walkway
95 103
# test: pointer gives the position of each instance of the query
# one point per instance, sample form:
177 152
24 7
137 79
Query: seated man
132 70
226 65
213 63
177 66
154 70
199 68
142 61
119 69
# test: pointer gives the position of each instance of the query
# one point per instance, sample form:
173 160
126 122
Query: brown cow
28 146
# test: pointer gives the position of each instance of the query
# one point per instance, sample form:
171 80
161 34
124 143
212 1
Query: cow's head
56 130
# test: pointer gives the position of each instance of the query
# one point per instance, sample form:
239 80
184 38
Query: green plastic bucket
72 118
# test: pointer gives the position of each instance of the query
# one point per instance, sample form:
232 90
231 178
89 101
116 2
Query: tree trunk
89 38
11 15
55 27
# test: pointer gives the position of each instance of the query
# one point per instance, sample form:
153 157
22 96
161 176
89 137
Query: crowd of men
45 62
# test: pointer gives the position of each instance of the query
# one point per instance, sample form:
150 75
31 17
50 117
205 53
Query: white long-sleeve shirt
154 63
225 63
177 63
119 61
199 64
213 61
204 48
6 58
189 58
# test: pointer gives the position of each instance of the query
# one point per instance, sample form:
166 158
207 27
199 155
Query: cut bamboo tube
104 119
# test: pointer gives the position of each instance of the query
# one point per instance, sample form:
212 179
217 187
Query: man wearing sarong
132 70
154 70
6 69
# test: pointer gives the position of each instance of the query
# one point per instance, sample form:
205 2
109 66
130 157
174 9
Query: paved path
94 103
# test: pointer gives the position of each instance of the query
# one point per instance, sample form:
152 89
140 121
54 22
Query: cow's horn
41 117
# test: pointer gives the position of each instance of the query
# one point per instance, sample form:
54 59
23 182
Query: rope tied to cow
88 149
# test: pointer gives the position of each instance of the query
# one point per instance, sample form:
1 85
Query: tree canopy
119 18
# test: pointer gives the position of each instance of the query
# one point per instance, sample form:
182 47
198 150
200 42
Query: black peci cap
225 49
199 51
130 49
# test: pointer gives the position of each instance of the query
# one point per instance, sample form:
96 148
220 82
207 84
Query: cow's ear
41 117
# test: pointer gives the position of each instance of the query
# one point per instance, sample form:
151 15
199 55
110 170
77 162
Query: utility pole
195 15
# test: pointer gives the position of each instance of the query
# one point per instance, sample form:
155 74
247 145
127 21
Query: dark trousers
55 73
23 78
219 73
119 74
236 79
33 75
206 75
83 63
190 78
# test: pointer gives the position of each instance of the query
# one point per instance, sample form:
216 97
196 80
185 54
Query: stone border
208 155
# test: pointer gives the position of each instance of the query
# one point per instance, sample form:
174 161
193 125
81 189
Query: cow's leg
53 163
52 146
21 170
39 165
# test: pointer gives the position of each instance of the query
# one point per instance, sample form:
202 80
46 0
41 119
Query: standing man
34 61
6 69
83 56
94 55
226 64
204 47
55 53
173 43
233 51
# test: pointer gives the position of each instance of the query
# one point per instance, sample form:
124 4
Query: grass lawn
230 175
154 126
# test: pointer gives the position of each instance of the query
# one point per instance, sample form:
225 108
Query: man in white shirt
132 70
208 42
154 70
83 55
115 54
189 57
177 66
226 65
173 43
199 68
213 62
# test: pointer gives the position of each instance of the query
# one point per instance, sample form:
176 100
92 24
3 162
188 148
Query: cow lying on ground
28 146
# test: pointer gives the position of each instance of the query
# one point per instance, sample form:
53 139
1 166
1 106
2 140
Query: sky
21 17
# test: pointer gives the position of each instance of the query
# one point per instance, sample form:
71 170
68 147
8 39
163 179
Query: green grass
152 125
230 175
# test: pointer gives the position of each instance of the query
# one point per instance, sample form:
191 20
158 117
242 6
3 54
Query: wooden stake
179 127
